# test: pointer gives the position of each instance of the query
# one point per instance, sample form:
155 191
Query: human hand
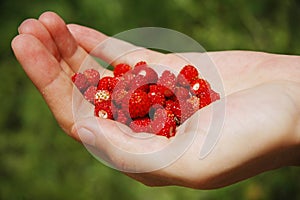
260 129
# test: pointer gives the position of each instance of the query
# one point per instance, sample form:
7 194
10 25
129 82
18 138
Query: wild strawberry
199 85
156 98
128 77
141 63
92 76
139 82
168 81
121 69
103 110
182 93
118 96
141 125
107 83
80 81
189 107
101 96
122 117
144 70
175 108
138 104
186 75
201 89
114 109
164 123
151 75
89 94
156 89
205 99
214 95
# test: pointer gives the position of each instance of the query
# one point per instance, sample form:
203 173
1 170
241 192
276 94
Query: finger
37 29
75 56
109 49
131 152
45 72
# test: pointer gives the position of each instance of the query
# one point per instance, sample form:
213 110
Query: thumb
115 145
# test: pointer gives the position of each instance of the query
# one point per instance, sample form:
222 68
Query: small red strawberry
151 75
138 104
107 83
199 85
182 93
118 96
164 123
121 69
175 108
122 117
141 125
189 107
168 81
139 82
80 81
186 75
101 96
89 94
156 89
205 99
141 63
214 95
92 76
144 70
156 98
103 110
128 77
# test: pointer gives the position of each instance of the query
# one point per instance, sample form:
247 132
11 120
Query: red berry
139 82
156 98
168 81
182 93
128 77
189 107
103 110
214 95
205 99
141 63
101 96
121 69
122 117
92 76
80 81
199 85
89 94
138 104
164 123
107 83
149 73
118 96
174 107
156 89
141 125
186 75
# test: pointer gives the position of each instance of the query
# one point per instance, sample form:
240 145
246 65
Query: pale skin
261 129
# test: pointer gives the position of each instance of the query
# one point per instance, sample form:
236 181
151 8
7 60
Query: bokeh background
38 161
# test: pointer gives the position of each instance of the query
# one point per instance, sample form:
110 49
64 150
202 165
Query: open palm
259 110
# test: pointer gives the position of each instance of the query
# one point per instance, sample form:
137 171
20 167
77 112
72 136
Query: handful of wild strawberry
143 100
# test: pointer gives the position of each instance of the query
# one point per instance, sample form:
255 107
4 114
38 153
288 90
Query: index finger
109 49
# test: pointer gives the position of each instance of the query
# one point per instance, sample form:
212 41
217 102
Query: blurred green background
38 161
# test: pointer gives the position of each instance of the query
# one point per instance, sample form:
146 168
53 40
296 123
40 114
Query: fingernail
86 136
